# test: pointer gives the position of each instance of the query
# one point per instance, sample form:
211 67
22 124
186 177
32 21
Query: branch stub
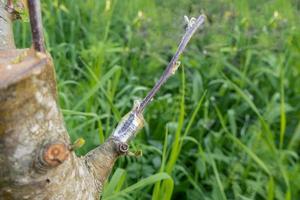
55 154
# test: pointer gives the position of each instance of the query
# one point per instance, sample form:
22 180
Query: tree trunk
36 157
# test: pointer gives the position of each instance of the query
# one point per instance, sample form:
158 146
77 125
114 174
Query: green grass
226 126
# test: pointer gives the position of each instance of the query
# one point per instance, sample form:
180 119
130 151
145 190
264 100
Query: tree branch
133 121
36 25
101 160
192 26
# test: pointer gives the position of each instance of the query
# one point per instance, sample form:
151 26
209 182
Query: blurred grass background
226 126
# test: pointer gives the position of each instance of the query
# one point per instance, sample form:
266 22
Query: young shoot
132 122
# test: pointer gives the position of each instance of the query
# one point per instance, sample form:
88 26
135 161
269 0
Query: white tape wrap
128 127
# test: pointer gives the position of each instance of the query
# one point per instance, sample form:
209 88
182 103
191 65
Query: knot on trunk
51 155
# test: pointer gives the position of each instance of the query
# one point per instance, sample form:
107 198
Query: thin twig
36 25
193 25
132 122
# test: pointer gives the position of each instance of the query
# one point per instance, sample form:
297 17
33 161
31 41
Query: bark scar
55 154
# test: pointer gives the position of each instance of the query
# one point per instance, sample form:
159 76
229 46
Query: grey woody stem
193 25
36 25
132 122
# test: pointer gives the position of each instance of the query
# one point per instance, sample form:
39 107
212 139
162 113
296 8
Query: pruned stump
35 155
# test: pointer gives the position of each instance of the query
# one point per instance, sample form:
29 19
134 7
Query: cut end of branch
50 155
18 64
54 154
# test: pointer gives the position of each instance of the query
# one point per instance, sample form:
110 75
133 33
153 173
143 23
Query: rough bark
35 152
6 35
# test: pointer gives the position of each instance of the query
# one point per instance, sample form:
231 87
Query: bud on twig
132 122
